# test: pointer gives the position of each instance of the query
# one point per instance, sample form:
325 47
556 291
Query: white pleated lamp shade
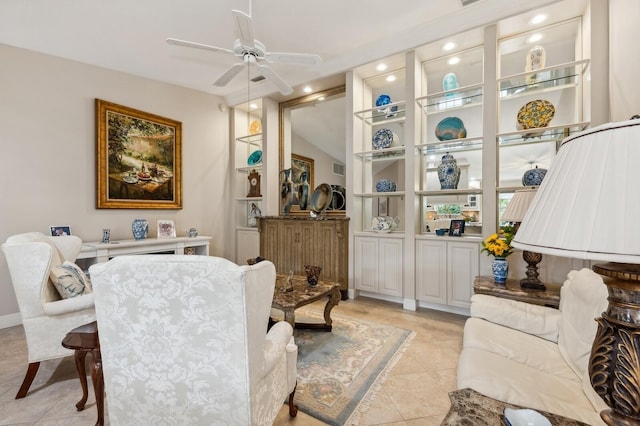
588 206
519 204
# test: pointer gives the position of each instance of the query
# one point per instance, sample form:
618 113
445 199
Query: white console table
96 252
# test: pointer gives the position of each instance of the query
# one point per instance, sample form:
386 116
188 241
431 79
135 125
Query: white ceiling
129 35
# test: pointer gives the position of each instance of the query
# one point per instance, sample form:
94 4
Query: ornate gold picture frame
139 159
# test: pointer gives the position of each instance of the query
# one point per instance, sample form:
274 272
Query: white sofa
534 356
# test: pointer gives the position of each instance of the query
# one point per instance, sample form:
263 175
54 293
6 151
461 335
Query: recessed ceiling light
391 78
538 19
450 45
381 67
307 89
534 37
321 98
454 60
253 106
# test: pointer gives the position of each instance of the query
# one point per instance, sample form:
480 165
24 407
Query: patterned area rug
340 372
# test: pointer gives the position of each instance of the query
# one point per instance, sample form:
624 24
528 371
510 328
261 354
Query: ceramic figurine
303 191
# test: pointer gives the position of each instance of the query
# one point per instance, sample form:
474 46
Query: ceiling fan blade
268 73
293 58
198 45
229 74
244 28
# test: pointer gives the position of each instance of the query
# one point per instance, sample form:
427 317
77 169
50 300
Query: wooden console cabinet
292 242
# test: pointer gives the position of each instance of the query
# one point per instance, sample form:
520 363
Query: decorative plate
255 127
383 138
534 114
255 158
450 128
525 417
321 198
130 179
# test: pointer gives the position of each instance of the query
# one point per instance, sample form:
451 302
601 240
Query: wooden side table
82 340
512 290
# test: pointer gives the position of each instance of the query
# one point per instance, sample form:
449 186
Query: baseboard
11 320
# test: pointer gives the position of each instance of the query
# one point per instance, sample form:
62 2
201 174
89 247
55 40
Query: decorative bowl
383 138
321 198
535 114
255 158
383 100
525 417
450 128
386 185
440 232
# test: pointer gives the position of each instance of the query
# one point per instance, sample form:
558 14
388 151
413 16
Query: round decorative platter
535 114
321 198
255 158
255 127
130 179
450 128
382 139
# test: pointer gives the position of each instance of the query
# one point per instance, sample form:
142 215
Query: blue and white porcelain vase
140 228
386 185
533 177
500 269
448 172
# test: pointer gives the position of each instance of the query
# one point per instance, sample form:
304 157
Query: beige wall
47 153
624 61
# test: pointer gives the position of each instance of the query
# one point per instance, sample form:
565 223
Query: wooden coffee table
303 294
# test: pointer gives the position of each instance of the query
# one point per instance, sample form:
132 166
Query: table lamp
588 207
515 212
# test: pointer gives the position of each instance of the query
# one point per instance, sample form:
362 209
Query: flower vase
500 269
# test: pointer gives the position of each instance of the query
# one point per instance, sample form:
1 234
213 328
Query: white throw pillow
70 280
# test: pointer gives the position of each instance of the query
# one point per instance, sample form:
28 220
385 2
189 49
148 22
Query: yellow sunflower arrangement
499 245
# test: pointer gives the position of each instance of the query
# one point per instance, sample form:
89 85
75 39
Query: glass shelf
379 194
546 79
383 114
462 97
248 169
251 139
393 153
540 135
453 145
467 191
249 199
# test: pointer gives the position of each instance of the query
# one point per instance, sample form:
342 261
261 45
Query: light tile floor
414 393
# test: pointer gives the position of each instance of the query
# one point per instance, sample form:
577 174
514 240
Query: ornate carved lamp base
614 366
532 282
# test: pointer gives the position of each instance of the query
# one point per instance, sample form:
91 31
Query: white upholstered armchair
184 341
46 317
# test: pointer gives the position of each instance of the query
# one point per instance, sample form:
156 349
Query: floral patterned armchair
184 341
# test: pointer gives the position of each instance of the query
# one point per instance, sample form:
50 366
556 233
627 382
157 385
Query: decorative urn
448 172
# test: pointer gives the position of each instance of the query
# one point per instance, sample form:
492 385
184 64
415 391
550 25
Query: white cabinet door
431 271
378 265
366 264
463 265
390 266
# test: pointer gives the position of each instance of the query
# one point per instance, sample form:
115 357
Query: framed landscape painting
139 159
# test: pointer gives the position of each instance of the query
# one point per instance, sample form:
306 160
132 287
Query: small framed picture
456 229
59 231
166 229
383 206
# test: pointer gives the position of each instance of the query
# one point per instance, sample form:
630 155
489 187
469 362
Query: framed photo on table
58 231
139 159
456 228
166 229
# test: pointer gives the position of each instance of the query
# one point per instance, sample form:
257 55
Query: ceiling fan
252 52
